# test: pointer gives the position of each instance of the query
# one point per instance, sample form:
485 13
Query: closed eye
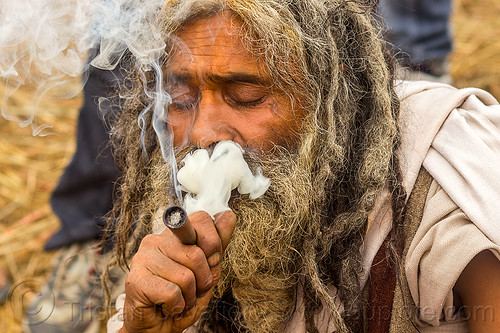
245 95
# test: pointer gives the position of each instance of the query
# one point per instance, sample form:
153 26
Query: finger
192 315
185 278
208 237
193 257
186 265
145 291
225 223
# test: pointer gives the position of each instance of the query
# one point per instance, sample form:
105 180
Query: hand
170 283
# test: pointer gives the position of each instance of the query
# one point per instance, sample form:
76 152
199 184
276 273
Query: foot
73 298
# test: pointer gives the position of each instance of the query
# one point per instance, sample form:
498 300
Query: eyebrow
237 78
228 78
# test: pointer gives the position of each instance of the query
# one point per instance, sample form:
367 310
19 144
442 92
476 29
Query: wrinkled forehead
213 25
217 41
209 31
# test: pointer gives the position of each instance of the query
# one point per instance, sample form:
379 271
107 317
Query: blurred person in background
83 196
419 34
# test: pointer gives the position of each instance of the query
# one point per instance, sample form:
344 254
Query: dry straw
29 169
476 57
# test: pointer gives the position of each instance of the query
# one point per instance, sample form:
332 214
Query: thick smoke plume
209 180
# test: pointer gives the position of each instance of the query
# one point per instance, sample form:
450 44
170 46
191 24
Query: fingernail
214 259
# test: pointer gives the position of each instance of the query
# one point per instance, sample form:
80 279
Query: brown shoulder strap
389 299
380 292
403 306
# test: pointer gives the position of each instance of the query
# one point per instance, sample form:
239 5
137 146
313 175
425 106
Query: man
306 89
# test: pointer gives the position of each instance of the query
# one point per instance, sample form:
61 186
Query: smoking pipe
176 219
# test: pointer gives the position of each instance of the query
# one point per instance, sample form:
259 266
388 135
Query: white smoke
41 45
209 180
45 42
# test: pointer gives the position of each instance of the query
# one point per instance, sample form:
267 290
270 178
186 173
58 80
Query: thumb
225 223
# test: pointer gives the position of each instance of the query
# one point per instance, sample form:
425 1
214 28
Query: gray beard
263 260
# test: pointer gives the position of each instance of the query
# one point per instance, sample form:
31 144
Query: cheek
286 129
179 136
180 126
277 131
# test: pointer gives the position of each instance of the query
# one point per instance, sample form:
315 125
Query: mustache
253 157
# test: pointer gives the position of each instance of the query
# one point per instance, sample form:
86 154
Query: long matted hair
328 56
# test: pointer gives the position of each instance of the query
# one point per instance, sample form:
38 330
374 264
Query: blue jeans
418 28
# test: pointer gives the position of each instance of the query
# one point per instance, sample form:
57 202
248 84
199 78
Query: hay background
30 166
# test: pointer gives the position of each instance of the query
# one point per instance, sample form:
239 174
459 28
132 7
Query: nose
211 123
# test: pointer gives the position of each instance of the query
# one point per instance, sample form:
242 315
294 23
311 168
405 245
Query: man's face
220 91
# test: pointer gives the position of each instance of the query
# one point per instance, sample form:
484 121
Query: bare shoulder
478 288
